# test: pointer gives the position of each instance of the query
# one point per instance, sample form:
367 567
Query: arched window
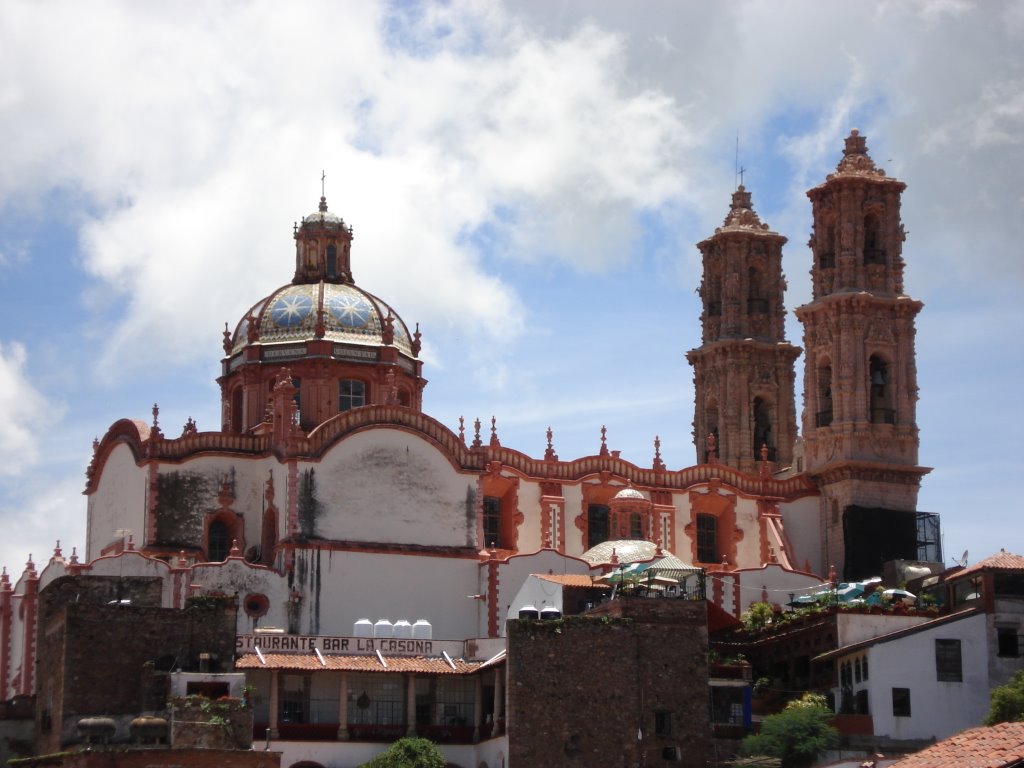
757 298
874 253
707 538
827 249
597 524
824 417
636 526
715 297
351 394
762 418
332 262
492 522
881 392
218 543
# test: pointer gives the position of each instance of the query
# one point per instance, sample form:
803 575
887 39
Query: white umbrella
892 595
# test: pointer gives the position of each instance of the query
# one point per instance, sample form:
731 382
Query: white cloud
25 414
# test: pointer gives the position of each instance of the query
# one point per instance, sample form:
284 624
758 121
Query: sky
527 180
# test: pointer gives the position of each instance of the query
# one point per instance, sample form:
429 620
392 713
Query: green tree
757 617
409 753
1007 701
797 735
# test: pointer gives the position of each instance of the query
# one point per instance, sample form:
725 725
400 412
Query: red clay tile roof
1001 746
309 662
571 580
1001 561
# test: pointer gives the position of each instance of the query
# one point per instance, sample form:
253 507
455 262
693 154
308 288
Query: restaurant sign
348 646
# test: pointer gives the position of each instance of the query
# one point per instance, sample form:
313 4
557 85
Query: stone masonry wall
580 689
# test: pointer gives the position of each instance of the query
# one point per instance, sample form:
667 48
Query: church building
377 553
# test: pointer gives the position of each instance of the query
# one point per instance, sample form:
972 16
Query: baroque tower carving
743 370
860 380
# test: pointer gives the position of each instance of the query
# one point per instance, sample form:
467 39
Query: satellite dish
962 560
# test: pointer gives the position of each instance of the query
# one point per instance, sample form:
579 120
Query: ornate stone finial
604 441
227 340
156 417
182 560
388 332
741 212
5 580
712 458
494 433
73 560
658 464
190 428
855 157
833 579
549 452
614 559
130 546
57 554
95 444
477 442
235 551
252 329
416 343
30 567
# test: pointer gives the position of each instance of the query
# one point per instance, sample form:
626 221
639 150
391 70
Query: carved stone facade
743 370
860 378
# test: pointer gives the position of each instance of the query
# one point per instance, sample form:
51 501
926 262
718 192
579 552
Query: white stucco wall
340 588
748 549
387 485
119 502
514 573
803 529
938 709
529 505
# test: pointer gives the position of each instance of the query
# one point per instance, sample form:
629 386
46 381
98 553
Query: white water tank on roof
383 628
422 630
363 628
403 629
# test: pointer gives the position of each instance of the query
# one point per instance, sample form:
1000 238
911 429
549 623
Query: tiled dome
349 315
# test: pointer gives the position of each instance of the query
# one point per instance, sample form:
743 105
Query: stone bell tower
860 378
743 370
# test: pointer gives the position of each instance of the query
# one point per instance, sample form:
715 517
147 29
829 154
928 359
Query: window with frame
597 524
492 521
662 722
294 698
948 661
351 394
217 542
901 702
1008 642
707 539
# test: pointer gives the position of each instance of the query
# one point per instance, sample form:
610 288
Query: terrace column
410 705
478 706
274 683
499 700
343 707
